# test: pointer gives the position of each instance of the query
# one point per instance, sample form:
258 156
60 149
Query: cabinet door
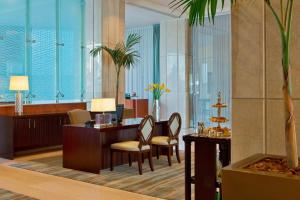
39 132
54 122
48 130
22 129
62 120
44 127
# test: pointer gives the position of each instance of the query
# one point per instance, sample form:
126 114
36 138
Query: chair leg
157 152
129 159
143 159
177 153
150 160
111 160
169 155
140 162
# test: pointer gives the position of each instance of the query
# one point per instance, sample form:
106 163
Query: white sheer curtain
211 69
141 74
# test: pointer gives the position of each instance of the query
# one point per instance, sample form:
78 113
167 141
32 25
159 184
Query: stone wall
257 111
113 26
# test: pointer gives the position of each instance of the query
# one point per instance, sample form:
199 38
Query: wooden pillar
113 25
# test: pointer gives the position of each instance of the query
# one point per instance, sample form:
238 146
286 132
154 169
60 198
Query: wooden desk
88 149
205 165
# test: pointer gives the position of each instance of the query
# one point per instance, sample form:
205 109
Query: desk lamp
103 105
18 83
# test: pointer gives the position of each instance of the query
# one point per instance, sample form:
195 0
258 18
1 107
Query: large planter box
243 184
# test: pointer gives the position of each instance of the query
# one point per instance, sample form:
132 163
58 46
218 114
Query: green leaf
123 54
197 9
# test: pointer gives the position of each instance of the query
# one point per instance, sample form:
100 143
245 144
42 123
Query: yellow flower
168 90
162 86
155 86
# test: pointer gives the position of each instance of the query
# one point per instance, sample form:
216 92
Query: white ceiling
136 16
147 12
162 2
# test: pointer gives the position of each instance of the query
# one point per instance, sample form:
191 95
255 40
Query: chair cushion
162 140
128 146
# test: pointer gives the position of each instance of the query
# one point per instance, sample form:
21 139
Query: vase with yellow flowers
157 90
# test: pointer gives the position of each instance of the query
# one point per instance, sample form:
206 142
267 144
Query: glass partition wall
211 70
49 41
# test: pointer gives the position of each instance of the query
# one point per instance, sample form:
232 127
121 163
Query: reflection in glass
211 69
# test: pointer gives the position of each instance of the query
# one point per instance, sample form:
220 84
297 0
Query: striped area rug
165 182
8 195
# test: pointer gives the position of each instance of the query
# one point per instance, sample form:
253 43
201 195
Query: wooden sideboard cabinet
29 132
140 106
39 128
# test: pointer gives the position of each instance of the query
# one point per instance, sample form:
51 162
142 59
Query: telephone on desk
89 124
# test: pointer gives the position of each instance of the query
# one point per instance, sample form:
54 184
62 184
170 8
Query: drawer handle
33 123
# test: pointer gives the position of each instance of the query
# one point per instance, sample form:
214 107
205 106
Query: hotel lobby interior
149 99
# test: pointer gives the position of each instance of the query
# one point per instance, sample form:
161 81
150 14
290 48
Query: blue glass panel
43 43
12 43
70 49
42 39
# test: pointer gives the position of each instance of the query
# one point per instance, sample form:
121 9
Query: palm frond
132 40
123 54
130 59
198 9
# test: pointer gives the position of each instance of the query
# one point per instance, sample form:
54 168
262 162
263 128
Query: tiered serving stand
220 119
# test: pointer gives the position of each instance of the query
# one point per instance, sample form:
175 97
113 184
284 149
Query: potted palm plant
270 174
123 55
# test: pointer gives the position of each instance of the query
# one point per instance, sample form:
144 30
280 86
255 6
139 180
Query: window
70 41
41 49
12 43
146 70
211 69
141 74
49 40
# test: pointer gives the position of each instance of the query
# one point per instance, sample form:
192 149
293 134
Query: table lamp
103 105
18 83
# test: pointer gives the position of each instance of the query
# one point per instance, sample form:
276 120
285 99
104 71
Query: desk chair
79 116
174 126
143 145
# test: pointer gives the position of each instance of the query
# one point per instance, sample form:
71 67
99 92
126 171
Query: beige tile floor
47 187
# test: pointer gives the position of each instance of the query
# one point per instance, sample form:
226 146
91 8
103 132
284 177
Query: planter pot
244 184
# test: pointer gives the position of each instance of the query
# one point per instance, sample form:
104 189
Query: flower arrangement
158 90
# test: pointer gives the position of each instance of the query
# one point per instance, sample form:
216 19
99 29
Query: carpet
8 195
165 182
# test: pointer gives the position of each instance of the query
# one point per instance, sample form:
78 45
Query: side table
205 164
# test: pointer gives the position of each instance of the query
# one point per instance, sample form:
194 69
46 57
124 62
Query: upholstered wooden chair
143 145
79 116
174 126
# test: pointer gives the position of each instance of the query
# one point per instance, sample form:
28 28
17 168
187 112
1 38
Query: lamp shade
18 83
103 105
